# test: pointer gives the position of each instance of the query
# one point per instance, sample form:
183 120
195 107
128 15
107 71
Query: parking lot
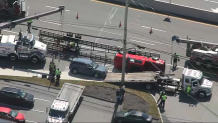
90 110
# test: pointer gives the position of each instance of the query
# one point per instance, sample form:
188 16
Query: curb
56 89
98 98
28 83
158 109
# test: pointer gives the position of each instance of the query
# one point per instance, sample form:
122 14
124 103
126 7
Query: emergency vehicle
140 61
201 86
65 104
25 49
14 8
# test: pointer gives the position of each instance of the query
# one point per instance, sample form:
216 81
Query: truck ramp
71 93
132 77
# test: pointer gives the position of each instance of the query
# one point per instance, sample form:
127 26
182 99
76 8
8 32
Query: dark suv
87 66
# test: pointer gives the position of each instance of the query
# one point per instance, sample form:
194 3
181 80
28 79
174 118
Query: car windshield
56 113
22 93
94 65
13 113
127 114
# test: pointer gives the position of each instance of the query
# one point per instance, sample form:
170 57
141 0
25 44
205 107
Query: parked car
11 115
15 95
132 116
88 67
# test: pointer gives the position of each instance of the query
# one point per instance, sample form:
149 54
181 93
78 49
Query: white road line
141 42
16 32
177 66
55 8
20 107
42 99
31 121
111 17
153 28
211 1
104 24
50 22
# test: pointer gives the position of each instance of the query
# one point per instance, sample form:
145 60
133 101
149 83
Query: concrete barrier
172 9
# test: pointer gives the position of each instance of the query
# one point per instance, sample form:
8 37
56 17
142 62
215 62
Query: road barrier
172 9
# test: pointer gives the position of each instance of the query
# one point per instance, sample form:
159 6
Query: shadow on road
16 106
115 111
20 64
82 76
76 109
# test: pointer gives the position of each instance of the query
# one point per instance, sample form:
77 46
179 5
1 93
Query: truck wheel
201 94
148 87
74 71
34 59
12 57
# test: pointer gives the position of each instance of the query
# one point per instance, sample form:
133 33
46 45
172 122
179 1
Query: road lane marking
50 22
104 24
56 8
20 108
153 28
141 42
164 15
111 17
42 99
31 121
211 1
177 66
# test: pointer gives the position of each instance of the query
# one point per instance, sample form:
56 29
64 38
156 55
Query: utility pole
124 44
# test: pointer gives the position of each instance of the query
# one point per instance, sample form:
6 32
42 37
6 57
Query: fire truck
138 61
13 8
200 52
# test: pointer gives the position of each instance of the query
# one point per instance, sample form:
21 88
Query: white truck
201 86
27 48
65 104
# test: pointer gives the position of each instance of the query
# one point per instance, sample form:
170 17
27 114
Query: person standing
58 76
175 59
29 25
188 90
163 99
161 94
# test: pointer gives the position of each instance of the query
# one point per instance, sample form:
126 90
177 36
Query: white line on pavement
211 1
141 42
49 22
111 17
20 107
153 28
177 66
104 24
41 99
31 121
55 8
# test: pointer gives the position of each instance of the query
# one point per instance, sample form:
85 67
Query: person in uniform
175 59
29 25
188 90
163 100
58 76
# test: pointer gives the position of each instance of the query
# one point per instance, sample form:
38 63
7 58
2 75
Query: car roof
136 113
4 109
10 89
83 60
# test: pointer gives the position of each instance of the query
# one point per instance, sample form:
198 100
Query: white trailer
65 103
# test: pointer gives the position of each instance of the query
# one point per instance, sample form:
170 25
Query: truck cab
201 86
59 112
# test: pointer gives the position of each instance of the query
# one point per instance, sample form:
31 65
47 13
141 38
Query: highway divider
172 9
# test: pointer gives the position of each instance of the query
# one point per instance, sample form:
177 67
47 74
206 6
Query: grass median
144 95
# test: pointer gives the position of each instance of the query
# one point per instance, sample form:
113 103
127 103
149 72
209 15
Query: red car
13 115
139 63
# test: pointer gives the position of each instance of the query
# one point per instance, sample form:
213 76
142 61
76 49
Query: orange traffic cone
151 31
77 16
120 24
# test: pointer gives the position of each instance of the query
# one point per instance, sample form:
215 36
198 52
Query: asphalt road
92 109
103 20
200 4
186 111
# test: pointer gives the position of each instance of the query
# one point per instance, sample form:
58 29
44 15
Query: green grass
144 95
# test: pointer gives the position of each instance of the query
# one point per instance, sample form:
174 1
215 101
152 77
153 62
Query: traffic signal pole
124 44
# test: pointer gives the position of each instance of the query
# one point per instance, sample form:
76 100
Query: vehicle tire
201 94
96 75
13 57
74 71
34 60
148 86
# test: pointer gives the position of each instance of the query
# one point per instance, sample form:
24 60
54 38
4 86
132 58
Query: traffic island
139 96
